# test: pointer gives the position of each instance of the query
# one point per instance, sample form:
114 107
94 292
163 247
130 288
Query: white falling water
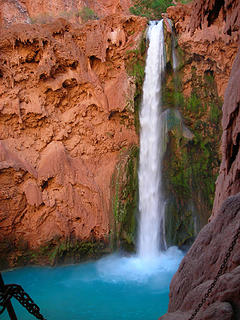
173 40
174 56
151 266
151 201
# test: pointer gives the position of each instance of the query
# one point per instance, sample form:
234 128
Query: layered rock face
66 115
205 258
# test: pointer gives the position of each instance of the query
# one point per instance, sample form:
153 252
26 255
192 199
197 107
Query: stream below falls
115 287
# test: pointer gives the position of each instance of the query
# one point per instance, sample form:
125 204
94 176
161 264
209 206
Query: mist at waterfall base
113 288
119 287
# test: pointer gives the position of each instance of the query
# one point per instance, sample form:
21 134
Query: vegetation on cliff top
152 9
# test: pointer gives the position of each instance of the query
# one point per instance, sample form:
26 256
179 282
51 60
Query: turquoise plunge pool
113 288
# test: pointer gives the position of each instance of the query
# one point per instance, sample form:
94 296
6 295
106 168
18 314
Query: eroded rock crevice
57 94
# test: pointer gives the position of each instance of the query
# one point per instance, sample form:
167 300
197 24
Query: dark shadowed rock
218 310
206 11
205 15
202 263
228 182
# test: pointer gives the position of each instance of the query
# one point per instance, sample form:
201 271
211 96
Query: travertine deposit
43 11
205 59
208 49
66 115
206 13
203 261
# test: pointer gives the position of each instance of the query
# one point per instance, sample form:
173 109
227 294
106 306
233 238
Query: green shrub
151 9
124 199
194 103
87 14
215 113
135 66
178 99
161 5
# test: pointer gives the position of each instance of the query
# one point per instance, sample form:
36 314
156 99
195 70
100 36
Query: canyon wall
215 243
44 11
67 117
193 96
69 96
201 265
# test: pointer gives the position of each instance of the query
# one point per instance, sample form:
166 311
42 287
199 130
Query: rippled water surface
112 288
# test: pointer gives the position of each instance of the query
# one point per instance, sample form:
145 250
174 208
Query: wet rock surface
224 18
209 48
215 23
196 88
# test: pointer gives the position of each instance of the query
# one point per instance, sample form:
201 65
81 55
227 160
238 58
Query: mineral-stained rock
208 33
205 16
45 11
205 59
206 12
218 23
106 7
228 182
209 48
64 120
202 263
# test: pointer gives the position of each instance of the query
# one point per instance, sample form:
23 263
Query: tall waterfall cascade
151 201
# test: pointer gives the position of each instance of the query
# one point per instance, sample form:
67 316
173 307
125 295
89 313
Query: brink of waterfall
151 201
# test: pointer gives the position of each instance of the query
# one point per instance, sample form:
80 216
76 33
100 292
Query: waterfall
151 202
174 56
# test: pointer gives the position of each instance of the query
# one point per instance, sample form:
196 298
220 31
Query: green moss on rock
56 251
191 165
125 199
135 66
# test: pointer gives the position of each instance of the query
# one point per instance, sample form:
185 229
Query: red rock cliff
206 13
205 57
200 266
30 11
203 261
208 49
65 116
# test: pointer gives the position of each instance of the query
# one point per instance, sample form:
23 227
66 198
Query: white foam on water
118 268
